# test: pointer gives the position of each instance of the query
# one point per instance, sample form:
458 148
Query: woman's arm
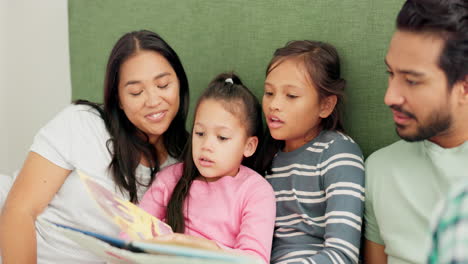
37 183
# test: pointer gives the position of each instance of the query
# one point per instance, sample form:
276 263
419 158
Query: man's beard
440 121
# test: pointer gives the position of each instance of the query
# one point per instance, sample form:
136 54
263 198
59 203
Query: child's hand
186 240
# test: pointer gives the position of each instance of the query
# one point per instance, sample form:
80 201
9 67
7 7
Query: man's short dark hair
447 19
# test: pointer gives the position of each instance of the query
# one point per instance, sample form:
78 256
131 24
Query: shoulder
332 143
76 117
392 153
84 121
75 137
253 181
75 122
79 111
390 164
84 113
170 175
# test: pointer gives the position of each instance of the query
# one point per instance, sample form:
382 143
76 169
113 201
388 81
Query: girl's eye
292 96
268 93
200 134
222 138
163 86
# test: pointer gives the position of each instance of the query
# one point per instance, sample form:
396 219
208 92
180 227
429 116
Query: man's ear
464 89
250 146
460 88
327 105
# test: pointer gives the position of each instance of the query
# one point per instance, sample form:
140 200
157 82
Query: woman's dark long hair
125 144
238 100
322 65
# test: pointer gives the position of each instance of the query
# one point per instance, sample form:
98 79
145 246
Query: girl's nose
207 143
275 103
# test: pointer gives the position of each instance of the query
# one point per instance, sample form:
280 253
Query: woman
139 129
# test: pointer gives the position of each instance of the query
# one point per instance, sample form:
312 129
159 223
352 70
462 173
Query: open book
139 226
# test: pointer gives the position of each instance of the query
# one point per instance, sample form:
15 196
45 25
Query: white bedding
5 184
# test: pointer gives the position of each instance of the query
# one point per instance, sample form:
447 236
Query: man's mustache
400 109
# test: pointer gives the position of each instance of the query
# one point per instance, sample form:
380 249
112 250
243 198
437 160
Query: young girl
316 171
212 199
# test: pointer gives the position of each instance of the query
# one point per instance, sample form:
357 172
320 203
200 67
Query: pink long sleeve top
238 213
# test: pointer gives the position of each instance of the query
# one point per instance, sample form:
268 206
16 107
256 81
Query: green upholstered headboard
212 36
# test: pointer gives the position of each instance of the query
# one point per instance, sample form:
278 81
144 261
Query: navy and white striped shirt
319 191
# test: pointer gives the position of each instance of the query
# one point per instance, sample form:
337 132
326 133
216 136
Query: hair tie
229 80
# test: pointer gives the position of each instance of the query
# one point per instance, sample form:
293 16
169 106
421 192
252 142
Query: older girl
315 169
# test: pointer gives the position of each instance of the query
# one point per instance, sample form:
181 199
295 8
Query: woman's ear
250 146
327 105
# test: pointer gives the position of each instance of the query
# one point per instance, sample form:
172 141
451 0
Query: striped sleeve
342 172
343 178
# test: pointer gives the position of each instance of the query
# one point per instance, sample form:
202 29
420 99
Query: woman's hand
186 240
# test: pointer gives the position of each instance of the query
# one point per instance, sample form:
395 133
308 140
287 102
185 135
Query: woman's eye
200 134
292 96
163 86
222 138
136 93
268 93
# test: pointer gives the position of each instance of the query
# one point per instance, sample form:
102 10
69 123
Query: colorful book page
134 221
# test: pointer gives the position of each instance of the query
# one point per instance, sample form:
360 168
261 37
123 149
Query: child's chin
277 136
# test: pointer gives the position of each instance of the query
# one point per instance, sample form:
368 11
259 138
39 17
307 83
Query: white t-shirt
76 139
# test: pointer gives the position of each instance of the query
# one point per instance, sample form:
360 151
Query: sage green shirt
404 182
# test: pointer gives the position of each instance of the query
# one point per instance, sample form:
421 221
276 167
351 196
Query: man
427 62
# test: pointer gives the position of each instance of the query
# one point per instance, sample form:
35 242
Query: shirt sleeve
54 141
75 138
343 182
257 222
372 230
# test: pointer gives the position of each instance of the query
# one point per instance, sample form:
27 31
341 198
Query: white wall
3 88
35 84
